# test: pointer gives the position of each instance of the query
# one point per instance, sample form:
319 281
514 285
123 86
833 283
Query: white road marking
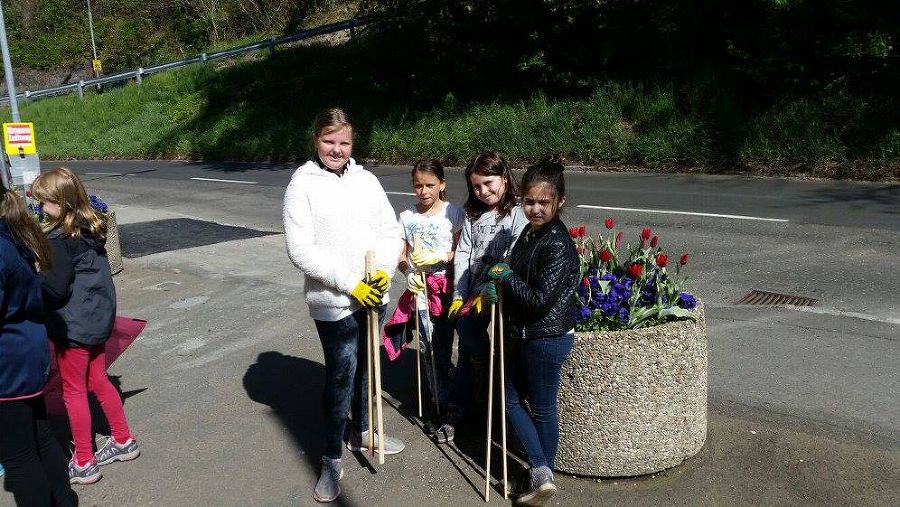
401 193
104 174
691 213
226 181
885 319
841 313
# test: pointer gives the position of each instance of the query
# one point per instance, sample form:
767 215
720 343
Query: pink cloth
83 369
392 334
125 331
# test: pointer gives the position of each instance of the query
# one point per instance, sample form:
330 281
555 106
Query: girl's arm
461 262
546 284
56 284
402 264
452 253
300 237
390 237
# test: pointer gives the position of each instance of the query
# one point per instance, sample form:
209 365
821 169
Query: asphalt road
803 400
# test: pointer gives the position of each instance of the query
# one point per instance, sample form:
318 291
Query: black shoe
444 434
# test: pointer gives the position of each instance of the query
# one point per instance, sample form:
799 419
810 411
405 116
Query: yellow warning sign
18 138
98 67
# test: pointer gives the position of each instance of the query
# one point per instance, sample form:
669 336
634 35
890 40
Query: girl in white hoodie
334 212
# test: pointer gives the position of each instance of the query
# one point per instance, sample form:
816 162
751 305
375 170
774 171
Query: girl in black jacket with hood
81 302
537 286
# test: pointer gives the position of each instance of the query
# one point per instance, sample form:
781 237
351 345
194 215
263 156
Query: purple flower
582 314
623 314
687 301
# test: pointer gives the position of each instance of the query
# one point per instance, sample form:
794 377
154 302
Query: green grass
263 109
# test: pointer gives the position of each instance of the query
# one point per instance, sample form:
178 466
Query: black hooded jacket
78 292
539 294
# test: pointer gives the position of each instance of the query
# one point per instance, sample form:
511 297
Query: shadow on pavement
292 388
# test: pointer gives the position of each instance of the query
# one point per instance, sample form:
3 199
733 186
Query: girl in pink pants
81 297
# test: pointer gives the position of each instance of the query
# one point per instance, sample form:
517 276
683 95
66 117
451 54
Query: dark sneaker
87 474
444 434
113 451
540 487
360 442
327 487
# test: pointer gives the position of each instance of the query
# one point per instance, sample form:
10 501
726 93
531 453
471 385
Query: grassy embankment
262 110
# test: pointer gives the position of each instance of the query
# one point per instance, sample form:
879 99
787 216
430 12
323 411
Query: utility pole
10 89
93 43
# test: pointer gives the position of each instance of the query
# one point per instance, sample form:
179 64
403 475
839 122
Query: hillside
743 88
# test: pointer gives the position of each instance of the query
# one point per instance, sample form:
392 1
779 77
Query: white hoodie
330 222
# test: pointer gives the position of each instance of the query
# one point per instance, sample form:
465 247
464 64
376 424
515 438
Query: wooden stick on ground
418 357
490 404
502 391
376 361
370 394
430 337
417 243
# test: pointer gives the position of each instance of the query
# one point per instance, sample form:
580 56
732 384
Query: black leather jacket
539 295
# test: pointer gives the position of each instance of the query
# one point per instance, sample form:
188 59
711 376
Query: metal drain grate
761 297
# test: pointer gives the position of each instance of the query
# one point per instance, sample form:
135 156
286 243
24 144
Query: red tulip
28 193
684 258
662 260
573 232
654 241
645 233
605 255
619 237
579 249
585 282
635 270
609 223
582 231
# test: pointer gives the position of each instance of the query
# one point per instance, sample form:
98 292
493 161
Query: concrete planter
113 246
633 402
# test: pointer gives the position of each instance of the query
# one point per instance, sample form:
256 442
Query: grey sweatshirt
484 242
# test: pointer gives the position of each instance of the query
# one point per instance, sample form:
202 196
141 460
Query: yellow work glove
479 304
380 281
415 282
422 258
367 295
454 308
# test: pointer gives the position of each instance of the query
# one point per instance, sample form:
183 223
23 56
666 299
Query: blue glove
499 271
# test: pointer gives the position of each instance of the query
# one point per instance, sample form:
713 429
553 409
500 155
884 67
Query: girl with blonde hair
81 301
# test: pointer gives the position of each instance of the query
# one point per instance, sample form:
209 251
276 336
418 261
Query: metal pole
11 91
8 70
91 27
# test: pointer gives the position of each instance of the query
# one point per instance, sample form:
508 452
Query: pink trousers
81 370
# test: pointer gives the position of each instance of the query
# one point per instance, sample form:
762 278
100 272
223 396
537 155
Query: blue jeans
533 370
470 374
346 385
437 381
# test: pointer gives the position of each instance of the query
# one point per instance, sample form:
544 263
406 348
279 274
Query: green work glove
380 281
424 257
367 295
499 271
455 306
415 283
489 294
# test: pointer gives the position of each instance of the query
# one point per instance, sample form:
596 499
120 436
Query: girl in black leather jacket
537 287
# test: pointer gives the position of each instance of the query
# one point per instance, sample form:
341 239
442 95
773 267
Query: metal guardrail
139 73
